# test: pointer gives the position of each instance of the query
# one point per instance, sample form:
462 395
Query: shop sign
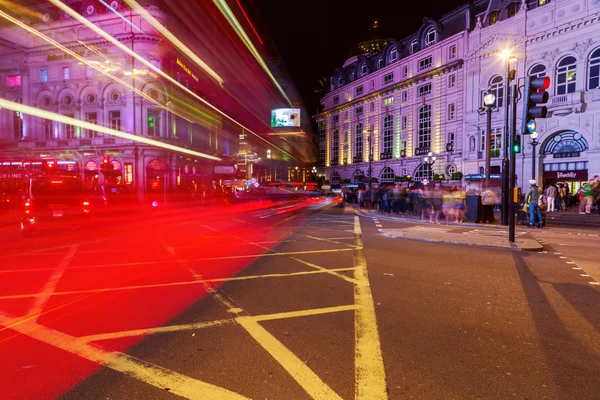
8 175
187 69
224 169
576 175
90 166
45 155
89 153
113 152
326 187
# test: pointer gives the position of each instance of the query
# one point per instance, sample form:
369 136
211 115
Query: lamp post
429 160
370 156
534 144
510 75
489 100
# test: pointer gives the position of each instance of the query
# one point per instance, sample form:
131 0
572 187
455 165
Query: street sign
224 169
531 125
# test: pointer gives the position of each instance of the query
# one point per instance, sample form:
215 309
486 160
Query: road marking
39 302
329 241
369 371
144 371
184 283
557 253
302 313
379 226
562 257
570 262
150 331
577 268
305 377
586 275
594 283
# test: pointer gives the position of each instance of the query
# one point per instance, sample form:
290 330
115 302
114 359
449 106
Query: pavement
469 234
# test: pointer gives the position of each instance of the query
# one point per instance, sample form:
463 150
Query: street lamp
370 156
429 160
489 100
534 143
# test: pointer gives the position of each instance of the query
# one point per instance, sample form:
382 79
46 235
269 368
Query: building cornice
400 85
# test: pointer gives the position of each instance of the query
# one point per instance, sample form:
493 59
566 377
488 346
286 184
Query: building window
393 54
114 120
335 119
451 112
153 123
388 101
594 70
430 37
566 76
425 63
91 118
512 9
452 52
372 106
404 122
359 90
389 78
69 129
363 69
88 71
450 138
13 80
336 99
336 146
497 87
424 139
387 175
380 63
372 84
44 75
359 111
405 71
493 17
414 46
322 142
495 142
18 125
48 131
66 73
424 90
538 70
542 2
388 134
452 81
404 96
358 142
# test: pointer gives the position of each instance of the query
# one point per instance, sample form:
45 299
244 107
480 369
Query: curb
415 221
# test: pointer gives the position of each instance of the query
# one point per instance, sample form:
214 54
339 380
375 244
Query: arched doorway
358 176
564 159
335 178
422 172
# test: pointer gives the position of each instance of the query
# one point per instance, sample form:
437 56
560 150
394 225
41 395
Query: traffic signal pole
507 148
513 165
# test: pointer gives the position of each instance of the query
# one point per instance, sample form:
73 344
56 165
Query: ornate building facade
399 100
557 39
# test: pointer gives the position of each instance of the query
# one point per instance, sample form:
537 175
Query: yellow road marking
305 377
144 371
368 364
323 269
39 302
151 331
302 313
329 241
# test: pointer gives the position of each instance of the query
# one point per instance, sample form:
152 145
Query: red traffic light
105 160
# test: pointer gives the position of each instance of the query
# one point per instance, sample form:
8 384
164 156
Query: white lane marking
369 371
557 253
594 283
39 302
144 371
570 262
563 257
577 268
586 275
379 226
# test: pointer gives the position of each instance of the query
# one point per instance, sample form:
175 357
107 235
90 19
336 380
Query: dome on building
375 40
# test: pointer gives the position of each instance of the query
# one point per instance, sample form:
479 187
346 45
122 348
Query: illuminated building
556 39
407 95
62 81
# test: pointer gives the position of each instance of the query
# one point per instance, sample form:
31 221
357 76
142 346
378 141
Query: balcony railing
357 159
564 104
334 162
386 155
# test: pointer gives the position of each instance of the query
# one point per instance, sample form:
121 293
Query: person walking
551 196
533 199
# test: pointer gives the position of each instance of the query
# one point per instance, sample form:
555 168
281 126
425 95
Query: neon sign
186 69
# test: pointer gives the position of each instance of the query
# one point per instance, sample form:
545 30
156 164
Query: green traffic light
517 144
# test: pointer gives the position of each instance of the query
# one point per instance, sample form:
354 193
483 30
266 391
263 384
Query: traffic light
105 161
106 165
150 122
517 144
535 94
49 167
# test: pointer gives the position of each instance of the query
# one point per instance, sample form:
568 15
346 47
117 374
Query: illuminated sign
186 69
285 117
224 169
11 176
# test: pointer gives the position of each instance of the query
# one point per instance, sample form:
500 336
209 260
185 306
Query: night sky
313 37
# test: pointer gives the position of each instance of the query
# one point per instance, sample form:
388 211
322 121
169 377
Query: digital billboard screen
285 117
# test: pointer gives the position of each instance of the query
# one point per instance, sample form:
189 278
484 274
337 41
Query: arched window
393 54
335 178
566 142
538 70
493 17
358 176
340 81
566 75
363 69
414 46
594 70
424 139
430 37
380 63
497 87
388 133
423 171
358 142
352 76
387 175
512 9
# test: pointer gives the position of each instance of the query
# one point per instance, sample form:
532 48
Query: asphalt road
290 301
